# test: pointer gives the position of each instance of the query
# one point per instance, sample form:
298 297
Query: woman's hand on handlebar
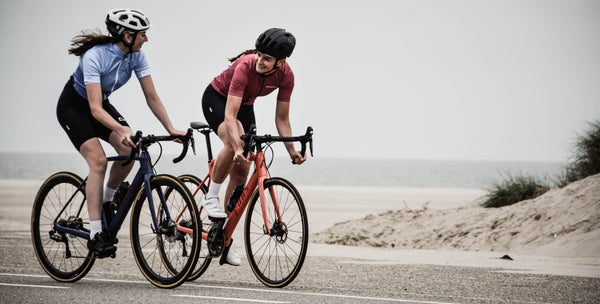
126 135
297 157
176 132
238 156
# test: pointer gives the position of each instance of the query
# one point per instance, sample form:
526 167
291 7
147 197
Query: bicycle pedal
102 255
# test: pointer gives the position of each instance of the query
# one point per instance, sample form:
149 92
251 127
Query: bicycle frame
256 180
143 176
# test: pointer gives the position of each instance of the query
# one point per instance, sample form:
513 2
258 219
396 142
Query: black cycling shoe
101 247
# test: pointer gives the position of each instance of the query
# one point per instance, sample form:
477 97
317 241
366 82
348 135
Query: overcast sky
470 80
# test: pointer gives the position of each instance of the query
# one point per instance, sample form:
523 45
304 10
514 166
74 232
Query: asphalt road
322 280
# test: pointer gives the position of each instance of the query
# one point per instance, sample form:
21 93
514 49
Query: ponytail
86 40
242 54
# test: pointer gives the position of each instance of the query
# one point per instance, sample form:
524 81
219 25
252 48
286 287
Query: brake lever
309 134
248 139
190 136
193 142
134 150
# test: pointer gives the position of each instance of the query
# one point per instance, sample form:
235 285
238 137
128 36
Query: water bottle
119 195
235 195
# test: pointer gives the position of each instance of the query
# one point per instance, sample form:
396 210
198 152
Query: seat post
208 145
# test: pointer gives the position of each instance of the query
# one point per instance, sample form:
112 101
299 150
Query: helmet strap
275 67
129 45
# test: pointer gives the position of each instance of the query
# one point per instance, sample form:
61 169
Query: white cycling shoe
213 208
232 257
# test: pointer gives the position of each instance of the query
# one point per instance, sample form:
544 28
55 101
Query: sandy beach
561 223
557 233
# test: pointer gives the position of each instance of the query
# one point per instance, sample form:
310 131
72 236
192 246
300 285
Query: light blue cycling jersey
108 65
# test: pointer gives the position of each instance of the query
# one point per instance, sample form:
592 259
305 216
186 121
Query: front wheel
276 254
166 252
64 257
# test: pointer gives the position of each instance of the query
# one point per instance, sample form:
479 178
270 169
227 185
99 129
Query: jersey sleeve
90 67
141 67
286 87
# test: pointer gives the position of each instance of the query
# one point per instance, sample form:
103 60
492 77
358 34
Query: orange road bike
162 208
276 226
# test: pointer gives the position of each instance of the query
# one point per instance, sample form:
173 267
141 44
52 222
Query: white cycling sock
213 190
95 227
108 194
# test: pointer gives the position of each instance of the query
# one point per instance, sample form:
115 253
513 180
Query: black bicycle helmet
276 42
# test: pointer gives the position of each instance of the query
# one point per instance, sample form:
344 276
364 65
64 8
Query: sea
316 171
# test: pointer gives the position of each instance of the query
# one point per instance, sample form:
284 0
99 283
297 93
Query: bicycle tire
204 259
163 258
51 246
276 259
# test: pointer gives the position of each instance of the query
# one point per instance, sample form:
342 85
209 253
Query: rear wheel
276 256
63 256
165 254
193 183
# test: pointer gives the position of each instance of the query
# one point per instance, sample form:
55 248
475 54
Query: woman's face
264 63
140 38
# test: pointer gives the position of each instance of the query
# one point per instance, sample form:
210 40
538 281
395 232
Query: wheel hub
279 231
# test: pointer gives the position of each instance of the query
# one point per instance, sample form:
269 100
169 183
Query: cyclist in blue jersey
86 114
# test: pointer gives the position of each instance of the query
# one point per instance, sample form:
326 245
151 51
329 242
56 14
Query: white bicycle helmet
121 20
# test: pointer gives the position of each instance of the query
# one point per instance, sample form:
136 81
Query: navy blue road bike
164 229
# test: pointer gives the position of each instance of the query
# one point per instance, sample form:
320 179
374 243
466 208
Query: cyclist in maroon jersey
227 104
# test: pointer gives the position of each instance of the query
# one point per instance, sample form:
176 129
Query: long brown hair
88 39
242 54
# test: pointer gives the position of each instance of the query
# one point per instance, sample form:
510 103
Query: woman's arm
284 128
232 127
94 92
156 105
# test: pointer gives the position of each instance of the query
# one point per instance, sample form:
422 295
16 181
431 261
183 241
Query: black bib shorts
75 117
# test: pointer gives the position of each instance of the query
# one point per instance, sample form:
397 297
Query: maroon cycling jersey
242 80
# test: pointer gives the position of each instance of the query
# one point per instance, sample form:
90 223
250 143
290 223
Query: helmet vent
141 21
